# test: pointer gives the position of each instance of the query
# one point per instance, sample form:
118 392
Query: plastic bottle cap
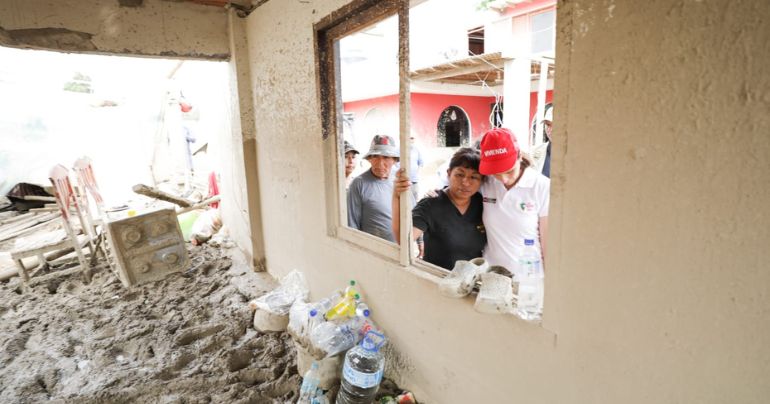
366 313
529 242
357 296
313 312
352 282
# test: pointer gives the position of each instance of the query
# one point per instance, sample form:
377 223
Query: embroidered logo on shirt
489 200
527 206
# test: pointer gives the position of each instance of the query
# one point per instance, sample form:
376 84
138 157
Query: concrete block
266 321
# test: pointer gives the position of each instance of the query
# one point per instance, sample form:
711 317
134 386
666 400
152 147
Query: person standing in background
350 162
415 163
369 196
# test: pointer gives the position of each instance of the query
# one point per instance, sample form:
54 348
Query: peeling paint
48 38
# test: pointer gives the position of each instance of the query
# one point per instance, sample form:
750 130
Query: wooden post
403 114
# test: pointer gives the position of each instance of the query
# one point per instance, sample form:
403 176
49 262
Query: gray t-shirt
370 205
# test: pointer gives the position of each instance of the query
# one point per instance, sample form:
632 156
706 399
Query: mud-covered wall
241 207
656 287
137 27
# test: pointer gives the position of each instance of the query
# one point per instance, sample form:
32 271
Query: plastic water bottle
362 371
347 306
323 305
531 285
333 337
362 310
309 388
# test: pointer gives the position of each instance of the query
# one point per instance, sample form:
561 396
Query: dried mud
185 339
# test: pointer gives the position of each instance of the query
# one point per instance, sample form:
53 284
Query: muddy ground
185 339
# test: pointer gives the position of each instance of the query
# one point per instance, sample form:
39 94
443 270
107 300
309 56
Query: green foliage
78 87
80 83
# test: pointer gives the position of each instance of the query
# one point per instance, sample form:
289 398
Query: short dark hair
465 157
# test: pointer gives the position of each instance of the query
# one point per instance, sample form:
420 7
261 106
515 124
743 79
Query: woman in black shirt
450 222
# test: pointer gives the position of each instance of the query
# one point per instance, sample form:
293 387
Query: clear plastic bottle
346 307
309 388
362 309
323 305
362 371
335 337
531 283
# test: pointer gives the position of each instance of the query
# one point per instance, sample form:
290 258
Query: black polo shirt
450 236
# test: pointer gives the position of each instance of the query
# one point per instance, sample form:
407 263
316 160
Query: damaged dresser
147 247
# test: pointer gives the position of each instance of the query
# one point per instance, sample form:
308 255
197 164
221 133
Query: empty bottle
362 371
323 305
531 286
345 307
309 388
362 309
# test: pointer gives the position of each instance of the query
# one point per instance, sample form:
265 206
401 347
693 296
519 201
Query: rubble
186 338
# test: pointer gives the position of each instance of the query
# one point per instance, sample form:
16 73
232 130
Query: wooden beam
163 196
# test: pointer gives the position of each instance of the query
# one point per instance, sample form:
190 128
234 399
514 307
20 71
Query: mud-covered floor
186 339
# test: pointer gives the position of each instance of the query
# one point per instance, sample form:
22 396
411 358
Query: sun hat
499 151
383 145
349 148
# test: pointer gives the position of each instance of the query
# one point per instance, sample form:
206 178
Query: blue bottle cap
528 241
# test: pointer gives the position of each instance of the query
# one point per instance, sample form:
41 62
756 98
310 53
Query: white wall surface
657 272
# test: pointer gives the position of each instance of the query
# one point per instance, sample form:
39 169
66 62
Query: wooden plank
163 196
34 225
17 218
39 198
201 204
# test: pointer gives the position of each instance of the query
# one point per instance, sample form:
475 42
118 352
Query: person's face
350 163
548 127
508 178
381 166
464 182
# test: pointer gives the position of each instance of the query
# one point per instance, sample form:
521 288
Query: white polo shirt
511 216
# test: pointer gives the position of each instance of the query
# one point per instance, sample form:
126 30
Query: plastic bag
279 301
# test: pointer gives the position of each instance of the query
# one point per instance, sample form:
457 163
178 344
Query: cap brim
492 167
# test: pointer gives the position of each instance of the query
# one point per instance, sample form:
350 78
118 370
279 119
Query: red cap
499 151
185 107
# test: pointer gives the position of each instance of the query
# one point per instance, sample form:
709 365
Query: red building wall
426 110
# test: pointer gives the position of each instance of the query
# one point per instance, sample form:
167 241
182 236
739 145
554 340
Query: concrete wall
241 195
657 272
154 28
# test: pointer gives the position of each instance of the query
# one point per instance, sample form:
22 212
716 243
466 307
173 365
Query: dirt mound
185 339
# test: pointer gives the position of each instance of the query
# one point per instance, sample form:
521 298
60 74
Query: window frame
327 32
347 20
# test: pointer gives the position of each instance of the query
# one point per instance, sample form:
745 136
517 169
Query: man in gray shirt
370 194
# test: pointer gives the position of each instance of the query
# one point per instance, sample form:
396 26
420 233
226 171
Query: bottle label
361 379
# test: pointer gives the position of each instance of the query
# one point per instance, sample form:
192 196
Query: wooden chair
96 225
68 204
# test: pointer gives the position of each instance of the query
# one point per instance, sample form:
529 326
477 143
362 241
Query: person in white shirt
515 201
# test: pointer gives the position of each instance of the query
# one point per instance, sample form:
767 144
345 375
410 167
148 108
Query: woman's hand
401 183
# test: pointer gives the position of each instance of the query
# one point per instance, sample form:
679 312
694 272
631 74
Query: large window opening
139 120
422 91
